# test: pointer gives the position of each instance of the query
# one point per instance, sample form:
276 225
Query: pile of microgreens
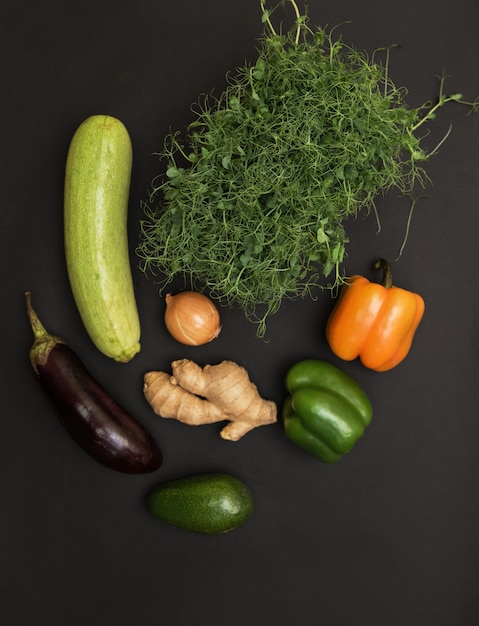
255 196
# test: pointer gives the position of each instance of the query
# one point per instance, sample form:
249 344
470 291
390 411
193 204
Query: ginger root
198 395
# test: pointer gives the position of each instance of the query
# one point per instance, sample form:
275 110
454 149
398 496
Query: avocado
205 503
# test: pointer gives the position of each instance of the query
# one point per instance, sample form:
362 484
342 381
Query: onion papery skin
191 318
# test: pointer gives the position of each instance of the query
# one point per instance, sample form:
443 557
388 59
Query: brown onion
191 318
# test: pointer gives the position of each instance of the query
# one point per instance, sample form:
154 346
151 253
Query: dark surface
389 535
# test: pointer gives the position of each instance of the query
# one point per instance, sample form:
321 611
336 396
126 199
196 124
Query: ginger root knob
204 395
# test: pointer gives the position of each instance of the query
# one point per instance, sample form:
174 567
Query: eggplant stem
43 342
38 329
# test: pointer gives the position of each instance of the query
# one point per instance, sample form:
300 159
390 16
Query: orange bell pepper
376 322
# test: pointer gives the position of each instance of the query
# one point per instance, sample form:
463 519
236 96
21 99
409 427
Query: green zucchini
97 185
209 504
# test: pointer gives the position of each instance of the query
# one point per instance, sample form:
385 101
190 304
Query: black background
387 536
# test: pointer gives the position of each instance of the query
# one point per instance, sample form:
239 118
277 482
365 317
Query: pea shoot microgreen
254 197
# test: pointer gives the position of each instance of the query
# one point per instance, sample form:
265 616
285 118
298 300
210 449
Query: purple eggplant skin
98 424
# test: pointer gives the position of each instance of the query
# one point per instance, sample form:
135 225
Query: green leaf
171 172
418 155
321 236
337 253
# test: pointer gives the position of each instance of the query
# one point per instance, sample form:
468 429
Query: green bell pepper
326 411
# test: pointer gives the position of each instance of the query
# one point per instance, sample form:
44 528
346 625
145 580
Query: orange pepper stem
387 280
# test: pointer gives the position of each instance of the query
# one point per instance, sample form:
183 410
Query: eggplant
98 424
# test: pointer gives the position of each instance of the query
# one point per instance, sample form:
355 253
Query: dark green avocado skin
205 503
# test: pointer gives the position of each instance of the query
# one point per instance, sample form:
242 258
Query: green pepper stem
387 280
